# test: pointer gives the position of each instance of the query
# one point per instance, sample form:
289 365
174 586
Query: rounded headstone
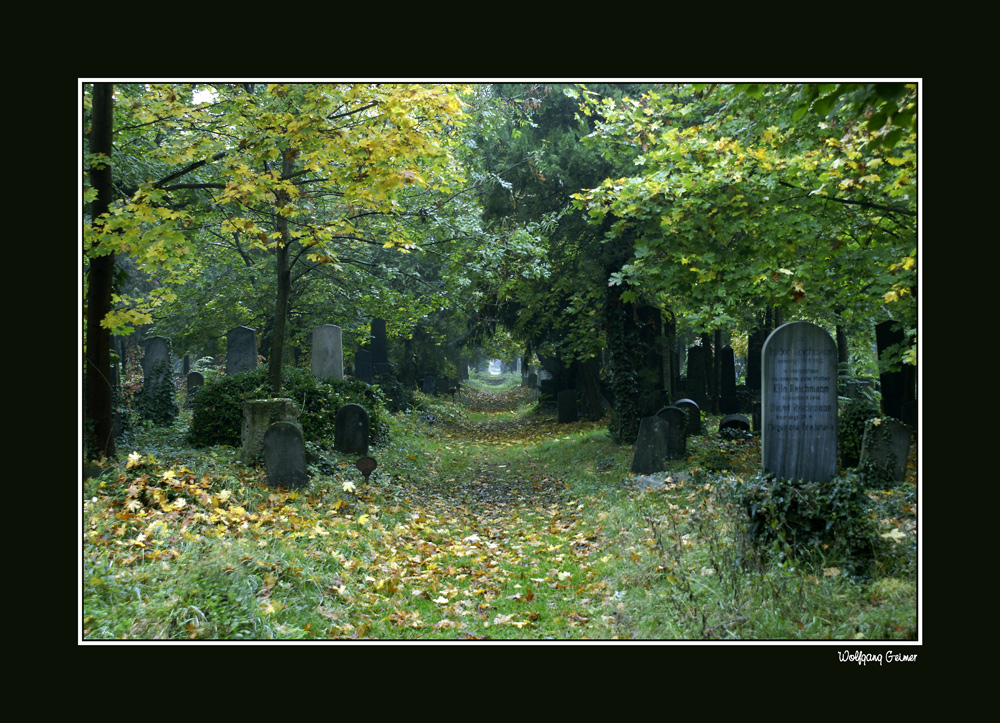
799 403
693 412
285 456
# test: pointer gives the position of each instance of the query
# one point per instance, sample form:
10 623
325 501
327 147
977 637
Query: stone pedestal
258 416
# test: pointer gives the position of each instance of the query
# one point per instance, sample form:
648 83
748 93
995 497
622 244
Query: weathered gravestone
327 352
430 385
258 416
799 403
676 420
728 401
693 412
566 402
363 366
350 431
157 401
651 446
195 381
696 385
241 349
285 456
885 447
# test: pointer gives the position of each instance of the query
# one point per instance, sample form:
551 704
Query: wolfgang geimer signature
862 658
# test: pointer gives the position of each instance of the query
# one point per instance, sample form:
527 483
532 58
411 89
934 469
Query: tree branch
863 204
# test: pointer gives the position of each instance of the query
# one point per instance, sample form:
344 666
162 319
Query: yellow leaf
133 459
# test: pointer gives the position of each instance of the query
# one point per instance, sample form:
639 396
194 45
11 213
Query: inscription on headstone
799 403
327 352
241 349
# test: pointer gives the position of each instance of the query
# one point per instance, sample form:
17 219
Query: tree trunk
284 272
100 279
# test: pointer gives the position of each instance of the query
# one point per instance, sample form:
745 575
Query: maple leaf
348 486
133 460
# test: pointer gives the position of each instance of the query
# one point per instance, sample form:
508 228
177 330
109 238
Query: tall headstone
676 420
651 446
799 403
363 365
696 387
379 344
430 385
728 402
285 456
567 411
157 402
327 352
241 349
351 429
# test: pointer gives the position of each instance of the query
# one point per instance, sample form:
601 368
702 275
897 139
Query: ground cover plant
485 520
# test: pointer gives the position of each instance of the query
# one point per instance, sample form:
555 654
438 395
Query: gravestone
327 352
693 412
350 430
363 366
696 385
676 420
734 425
285 456
379 343
886 446
651 446
241 349
799 403
430 385
728 401
195 381
258 416
157 400
186 368
566 401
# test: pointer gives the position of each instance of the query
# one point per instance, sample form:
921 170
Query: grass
490 522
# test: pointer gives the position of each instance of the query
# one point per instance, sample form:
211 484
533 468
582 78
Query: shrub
217 417
832 522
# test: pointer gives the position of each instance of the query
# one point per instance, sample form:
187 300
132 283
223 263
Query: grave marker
886 446
350 430
677 434
651 446
693 411
327 352
363 366
566 400
285 456
728 401
430 385
241 349
799 403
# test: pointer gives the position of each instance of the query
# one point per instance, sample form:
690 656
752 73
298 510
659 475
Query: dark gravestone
728 402
157 402
651 446
379 345
693 412
241 350
350 431
186 369
430 385
566 402
363 366
285 456
799 403
885 447
734 425
327 352
258 416
696 386
195 381
676 420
